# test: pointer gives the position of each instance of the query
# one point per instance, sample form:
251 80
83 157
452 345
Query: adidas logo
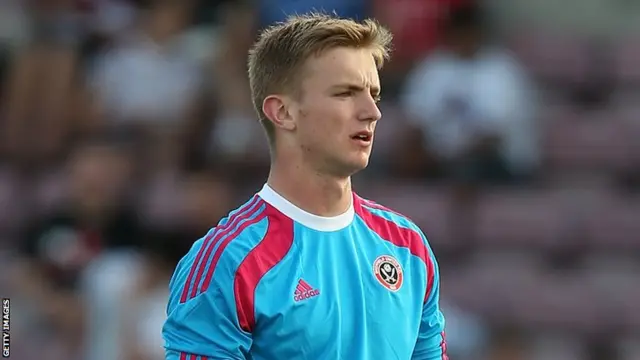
304 291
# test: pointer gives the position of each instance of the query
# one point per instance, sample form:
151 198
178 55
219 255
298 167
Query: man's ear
277 108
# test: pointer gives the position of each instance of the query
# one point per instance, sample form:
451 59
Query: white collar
320 223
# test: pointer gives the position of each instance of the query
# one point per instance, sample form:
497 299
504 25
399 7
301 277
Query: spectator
93 217
41 87
143 310
206 199
417 30
237 141
187 204
148 82
473 108
60 245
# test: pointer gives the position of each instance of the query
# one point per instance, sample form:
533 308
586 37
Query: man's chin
358 165
346 166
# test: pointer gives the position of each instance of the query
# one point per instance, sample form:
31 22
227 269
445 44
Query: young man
307 269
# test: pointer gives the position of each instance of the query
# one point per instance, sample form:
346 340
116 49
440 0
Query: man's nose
369 110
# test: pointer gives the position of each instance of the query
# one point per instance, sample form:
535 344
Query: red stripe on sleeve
375 205
207 247
397 235
185 356
269 252
226 241
185 291
443 346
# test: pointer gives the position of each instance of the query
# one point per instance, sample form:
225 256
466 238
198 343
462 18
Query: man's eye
345 94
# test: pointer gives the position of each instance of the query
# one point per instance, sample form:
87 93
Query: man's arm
204 325
431 344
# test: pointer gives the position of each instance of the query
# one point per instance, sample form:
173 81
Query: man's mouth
364 137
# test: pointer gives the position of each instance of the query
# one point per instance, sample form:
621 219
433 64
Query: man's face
336 113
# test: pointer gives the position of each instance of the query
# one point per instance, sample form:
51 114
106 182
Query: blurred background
510 134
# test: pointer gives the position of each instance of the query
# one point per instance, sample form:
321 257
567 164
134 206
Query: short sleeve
204 326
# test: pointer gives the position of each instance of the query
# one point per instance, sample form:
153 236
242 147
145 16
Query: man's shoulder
234 236
396 228
388 214
215 257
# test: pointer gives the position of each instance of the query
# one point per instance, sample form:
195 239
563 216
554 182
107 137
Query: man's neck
311 191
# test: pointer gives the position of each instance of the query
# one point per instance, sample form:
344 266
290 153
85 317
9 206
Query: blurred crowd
510 134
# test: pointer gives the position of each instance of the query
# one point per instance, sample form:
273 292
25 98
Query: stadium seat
557 346
50 192
617 283
629 349
614 279
626 57
593 141
613 223
492 282
631 310
523 219
560 303
467 293
610 271
631 116
555 57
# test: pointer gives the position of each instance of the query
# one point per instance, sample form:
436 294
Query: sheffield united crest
388 272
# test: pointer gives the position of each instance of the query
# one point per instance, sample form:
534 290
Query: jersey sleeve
431 344
205 325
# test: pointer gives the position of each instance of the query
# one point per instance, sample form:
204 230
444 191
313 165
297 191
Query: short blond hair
277 56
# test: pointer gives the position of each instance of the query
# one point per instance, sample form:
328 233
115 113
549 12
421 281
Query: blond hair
277 56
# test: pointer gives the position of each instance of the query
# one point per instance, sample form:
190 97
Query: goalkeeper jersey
272 281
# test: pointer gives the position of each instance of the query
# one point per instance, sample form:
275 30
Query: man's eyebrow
348 86
355 87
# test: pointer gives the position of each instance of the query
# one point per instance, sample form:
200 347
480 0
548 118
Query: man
306 269
472 108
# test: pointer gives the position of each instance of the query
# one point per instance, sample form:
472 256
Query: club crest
388 272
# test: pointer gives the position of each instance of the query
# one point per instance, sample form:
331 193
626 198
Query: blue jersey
272 281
